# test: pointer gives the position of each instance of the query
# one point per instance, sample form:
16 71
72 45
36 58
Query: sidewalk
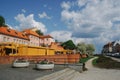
92 74
116 59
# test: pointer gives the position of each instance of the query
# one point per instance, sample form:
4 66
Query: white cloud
66 5
23 10
44 15
29 22
61 35
44 5
9 26
92 19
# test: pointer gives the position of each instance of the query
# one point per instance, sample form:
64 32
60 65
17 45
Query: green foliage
94 61
2 21
106 62
90 49
68 45
45 61
85 48
81 47
83 60
39 32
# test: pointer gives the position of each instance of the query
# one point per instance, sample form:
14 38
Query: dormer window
16 32
8 30
23 34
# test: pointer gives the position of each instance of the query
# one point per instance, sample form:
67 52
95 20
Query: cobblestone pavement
92 74
30 73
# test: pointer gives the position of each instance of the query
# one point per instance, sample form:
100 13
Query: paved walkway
92 74
99 74
116 59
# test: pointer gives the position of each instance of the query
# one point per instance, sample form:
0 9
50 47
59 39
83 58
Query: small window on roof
16 32
8 30
23 34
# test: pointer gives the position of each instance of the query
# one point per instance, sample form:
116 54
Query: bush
83 60
106 62
45 61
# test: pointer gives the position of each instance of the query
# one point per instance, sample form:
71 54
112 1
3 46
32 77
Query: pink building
10 35
27 37
46 40
33 37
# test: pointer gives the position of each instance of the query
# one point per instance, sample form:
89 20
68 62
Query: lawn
105 62
83 60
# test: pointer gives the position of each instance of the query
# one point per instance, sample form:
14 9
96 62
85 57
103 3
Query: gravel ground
30 73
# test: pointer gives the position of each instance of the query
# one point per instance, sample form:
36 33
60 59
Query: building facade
111 47
26 37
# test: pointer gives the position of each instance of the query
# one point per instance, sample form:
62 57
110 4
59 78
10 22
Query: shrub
45 61
106 62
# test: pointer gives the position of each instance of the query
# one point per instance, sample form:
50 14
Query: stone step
53 75
64 75
75 76
68 76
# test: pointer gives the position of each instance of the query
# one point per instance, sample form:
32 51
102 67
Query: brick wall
58 59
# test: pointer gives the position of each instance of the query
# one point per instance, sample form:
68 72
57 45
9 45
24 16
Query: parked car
116 55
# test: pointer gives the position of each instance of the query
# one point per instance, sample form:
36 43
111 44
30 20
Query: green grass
105 62
94 61
83 60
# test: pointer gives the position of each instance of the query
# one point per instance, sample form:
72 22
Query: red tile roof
23 35
30 32
11 32
47 36
55 46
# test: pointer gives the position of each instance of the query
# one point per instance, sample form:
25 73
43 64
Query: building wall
41 42
1 38
6 38
34 41
27 50
50 52
27 37
48 41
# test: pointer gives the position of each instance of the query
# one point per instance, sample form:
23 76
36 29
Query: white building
27 37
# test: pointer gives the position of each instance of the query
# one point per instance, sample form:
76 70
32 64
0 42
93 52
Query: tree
81 47
68 45
39 32
2 21
90 49
85 48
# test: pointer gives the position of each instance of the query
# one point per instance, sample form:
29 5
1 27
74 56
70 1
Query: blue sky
90 21
10 9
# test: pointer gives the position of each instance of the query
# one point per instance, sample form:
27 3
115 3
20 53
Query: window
46 39
31 36
14 40
4 39
16 32
8 39
8 30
